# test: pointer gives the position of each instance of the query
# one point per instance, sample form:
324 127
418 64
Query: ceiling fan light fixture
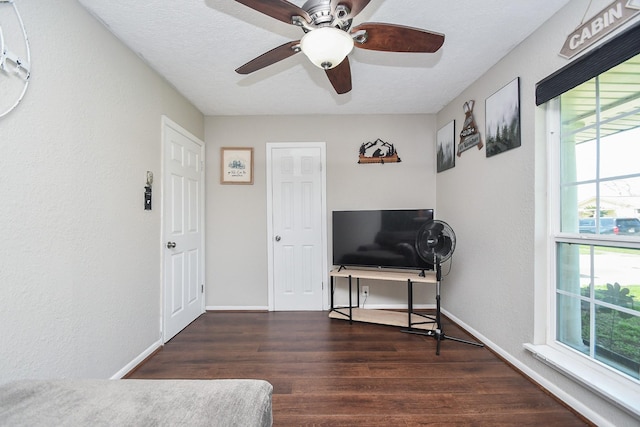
326 47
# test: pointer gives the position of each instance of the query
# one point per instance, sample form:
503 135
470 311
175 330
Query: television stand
352 312
412 322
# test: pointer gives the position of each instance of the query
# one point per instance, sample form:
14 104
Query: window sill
616 388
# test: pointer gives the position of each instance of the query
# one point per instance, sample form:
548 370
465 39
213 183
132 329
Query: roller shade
596 62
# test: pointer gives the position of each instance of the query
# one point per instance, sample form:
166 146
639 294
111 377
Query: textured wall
80 259
236 214
497 207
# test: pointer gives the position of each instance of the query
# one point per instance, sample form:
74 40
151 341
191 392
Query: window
597 215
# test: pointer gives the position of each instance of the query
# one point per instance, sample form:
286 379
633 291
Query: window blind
601 59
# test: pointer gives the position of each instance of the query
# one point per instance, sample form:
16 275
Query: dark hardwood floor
328 372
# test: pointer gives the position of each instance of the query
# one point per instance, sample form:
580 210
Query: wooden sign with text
469 135
605 21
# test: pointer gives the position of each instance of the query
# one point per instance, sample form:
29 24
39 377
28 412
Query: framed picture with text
236 165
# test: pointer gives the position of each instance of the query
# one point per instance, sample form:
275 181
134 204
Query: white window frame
614 386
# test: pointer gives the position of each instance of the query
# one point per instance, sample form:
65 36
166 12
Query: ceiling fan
329 37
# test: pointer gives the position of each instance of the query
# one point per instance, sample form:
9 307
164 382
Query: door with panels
297 243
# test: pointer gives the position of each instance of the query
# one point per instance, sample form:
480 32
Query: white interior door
297 220
182 228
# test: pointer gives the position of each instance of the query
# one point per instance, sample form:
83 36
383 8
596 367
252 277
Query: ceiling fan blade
396 38
355 6
281 10
271 57
340 77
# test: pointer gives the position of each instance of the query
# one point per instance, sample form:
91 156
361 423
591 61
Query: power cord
22 68
449 270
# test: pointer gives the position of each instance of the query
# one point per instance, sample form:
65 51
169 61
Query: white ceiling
197 44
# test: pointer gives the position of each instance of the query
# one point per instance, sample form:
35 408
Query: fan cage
435 242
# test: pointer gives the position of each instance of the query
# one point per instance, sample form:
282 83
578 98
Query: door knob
278 238
171 245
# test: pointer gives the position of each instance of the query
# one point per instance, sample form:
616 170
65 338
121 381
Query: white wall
80 258
493 205
236 214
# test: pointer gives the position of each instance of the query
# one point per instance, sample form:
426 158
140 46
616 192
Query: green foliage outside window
617 332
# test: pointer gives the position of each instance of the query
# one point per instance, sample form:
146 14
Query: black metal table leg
410 301
333 289
350 303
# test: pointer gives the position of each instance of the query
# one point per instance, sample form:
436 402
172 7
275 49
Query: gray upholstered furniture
136 403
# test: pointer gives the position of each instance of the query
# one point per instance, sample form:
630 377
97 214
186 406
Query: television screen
379 238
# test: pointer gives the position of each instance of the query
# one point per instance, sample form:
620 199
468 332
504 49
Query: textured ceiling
197 44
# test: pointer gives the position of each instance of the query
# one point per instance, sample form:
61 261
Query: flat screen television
378 238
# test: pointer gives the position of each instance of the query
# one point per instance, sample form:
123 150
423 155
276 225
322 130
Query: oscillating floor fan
435 244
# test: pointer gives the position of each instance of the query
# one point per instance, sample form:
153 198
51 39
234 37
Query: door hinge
202 288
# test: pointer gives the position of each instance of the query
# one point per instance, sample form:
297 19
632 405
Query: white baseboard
135 362
236 308
543 382
397 306
367 306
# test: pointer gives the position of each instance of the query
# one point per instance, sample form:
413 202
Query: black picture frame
502 121
446 147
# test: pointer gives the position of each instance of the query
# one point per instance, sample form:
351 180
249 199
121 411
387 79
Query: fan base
440 336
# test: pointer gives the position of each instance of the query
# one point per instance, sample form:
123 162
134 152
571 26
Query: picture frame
446 147
236 165
502 122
